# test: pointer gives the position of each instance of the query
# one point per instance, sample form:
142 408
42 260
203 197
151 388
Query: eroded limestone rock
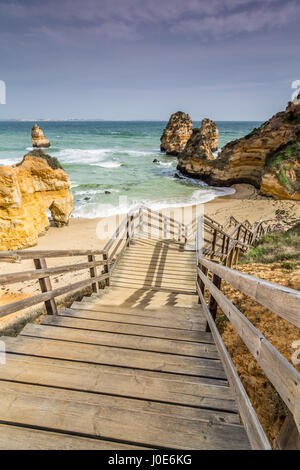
38 138
27 191
256 158
176 133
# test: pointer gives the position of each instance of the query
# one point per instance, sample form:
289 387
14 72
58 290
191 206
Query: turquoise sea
111 163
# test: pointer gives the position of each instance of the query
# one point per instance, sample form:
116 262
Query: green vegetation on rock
276 247
52 161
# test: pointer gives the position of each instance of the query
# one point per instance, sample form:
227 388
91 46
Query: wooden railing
281 300
214 241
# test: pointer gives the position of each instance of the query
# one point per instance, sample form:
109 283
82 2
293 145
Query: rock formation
176 133
267 158
27 191
38 138
210 133
202 142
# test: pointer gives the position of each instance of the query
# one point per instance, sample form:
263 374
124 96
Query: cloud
129 19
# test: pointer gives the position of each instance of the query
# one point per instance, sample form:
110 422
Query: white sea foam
107 164
82 155
89 192
200 196
8 161
167 164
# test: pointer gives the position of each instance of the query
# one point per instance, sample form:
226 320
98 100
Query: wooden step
14 437
150 318
122 341
132 421
84 320
153 278
115 356
136 285
206 398
160 311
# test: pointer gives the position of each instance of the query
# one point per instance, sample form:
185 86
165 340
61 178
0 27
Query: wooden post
165 228
212 303
45 285
141 219
106 267
214 242
128 230
230 257
93 273
237 253
199 280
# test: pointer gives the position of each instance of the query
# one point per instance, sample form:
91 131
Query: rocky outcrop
210 133
202 142
256 158
38 138
176 133
27 191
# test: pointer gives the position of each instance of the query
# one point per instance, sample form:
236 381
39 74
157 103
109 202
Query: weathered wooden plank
123 341
39 298
133 285
152 277
46 286
279 371
31 254
114 356
23 438
280 299
253 427
69 318
150 318
93 415
42 273
204 397
160 311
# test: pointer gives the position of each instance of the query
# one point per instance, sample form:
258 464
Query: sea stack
27 191
176 133
202 142
268 158
38 138
210 134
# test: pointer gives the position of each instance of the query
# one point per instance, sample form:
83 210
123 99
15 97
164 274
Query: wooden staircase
139 364
130 368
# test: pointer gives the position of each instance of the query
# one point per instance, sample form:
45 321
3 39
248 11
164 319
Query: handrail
256 434
281 300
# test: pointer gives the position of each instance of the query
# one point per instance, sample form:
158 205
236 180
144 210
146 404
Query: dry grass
267 403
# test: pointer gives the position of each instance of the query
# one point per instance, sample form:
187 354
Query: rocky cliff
267 158
38 138
176 133
27 191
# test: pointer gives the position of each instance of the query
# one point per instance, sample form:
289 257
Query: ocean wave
82 155
167 164
107 164
96 210
8 161
90 192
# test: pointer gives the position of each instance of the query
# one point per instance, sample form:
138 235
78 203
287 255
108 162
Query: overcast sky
144 59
